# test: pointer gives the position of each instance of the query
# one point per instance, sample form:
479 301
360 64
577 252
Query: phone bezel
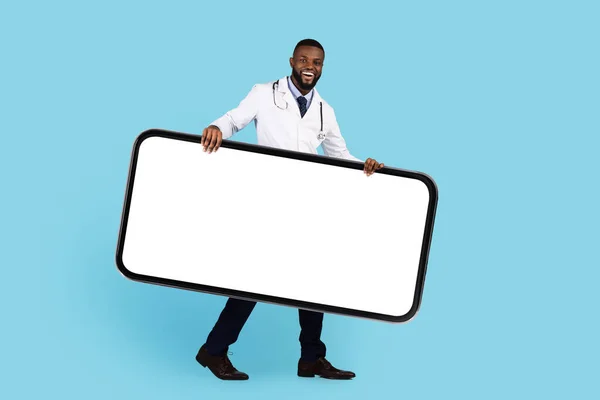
263 298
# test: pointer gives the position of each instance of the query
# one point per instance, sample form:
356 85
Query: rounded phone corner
148 133
123 269
429 183
405 318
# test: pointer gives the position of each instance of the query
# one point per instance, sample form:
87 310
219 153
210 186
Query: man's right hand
211 138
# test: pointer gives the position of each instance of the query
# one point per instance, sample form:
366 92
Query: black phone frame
315 158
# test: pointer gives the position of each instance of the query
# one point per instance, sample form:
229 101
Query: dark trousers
236 313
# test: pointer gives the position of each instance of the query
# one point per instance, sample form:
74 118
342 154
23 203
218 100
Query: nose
310 66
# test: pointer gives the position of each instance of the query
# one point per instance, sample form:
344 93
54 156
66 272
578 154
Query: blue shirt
296 93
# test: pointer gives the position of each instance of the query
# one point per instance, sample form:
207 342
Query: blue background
497 101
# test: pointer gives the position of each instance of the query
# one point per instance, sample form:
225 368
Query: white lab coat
284 128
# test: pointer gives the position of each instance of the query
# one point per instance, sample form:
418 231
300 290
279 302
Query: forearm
335 146
236 119
227 125
346 155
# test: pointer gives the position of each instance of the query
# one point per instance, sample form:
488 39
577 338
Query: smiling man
289 114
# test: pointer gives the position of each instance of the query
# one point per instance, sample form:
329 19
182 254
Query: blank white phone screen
276 226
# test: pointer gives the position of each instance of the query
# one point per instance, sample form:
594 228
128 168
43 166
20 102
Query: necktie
302 104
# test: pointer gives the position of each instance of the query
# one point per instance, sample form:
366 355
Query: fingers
211 139
206 137
371 166
204 133
213 143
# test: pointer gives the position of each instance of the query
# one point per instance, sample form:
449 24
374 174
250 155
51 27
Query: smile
309 74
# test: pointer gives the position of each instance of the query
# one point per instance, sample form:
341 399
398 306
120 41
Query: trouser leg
229 325
311 325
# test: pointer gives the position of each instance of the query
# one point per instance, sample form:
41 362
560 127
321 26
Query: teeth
308 73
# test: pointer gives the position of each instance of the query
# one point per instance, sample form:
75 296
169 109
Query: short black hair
309 42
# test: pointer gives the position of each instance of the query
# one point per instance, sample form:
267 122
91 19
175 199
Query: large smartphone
276 226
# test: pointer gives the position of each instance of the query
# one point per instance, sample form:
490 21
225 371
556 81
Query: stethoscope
276 85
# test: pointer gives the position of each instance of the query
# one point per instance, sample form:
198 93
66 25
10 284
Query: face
307 64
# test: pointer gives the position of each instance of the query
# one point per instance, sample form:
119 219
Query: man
289 114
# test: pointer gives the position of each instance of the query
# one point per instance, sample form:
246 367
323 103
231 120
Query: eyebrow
314 59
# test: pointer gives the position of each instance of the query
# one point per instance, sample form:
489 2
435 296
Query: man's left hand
371 166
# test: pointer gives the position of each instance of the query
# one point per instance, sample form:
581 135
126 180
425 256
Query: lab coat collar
285 91
287 94
282 85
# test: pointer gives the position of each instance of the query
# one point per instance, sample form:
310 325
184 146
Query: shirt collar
296 93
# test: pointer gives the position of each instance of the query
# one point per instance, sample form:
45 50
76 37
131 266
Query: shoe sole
311 375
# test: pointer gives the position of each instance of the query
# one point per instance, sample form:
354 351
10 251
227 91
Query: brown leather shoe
220 366
322 368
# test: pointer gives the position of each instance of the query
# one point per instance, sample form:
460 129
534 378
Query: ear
292 62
